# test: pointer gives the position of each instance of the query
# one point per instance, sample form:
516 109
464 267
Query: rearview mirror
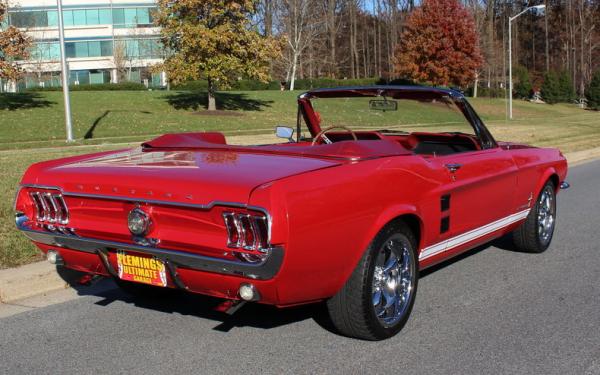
383 105
285 132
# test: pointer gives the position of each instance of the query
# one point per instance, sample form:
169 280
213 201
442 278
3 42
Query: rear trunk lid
187 176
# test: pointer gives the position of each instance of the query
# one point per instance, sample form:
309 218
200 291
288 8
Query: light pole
510 82
65 72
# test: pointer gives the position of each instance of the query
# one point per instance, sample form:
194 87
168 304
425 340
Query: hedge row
240 85
299 84
124 86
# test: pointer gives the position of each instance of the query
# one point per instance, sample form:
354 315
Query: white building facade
105 42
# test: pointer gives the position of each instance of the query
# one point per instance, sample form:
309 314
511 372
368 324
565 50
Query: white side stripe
472 235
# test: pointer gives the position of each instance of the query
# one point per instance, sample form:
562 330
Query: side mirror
285 132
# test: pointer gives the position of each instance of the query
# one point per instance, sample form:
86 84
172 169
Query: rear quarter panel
326 219
536 166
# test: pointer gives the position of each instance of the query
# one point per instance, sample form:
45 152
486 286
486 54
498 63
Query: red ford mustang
376 184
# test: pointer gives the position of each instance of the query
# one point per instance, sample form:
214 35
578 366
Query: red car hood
189 176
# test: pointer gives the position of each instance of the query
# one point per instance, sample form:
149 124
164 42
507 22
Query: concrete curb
41 277
579 157
29 280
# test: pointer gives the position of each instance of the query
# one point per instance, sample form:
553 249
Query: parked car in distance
371 186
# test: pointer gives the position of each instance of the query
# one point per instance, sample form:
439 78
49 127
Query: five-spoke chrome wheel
393 280
376 301
546 210
535 233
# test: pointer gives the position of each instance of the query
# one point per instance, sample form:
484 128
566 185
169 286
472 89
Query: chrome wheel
546 210
393 280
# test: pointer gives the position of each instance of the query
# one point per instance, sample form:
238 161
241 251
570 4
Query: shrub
551 90
523 86
199 85
317 83
252 85
567 90
122 86
592 93
487 92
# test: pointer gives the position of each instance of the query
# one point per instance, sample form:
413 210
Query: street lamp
65 72
510 89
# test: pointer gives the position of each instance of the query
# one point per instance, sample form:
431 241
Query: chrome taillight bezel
49 207
238 224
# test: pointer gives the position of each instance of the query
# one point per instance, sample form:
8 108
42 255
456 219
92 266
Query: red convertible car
376 184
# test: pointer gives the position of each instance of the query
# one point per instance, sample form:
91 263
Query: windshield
398 115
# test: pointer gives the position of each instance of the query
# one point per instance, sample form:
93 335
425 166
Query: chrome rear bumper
172 258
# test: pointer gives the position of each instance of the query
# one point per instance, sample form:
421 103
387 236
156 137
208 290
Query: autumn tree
213 40
439 45
13 46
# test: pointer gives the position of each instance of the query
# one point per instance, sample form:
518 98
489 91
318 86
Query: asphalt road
493 311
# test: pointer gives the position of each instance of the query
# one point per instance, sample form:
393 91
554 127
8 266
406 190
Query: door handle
453 167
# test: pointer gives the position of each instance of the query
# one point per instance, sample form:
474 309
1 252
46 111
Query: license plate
141 269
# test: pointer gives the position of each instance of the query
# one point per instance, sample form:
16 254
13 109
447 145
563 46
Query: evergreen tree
551 92
523 86
567 90
592 92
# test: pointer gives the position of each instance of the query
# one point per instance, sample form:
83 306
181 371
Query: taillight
49 207
249 233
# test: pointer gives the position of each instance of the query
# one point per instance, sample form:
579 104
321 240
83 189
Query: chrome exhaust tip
54 258
248 292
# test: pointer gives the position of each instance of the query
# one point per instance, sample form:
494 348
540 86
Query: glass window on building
133 75
81 77
143 16
70 49
132 48
22 19
106 48
79 18
54 51
118 16
40 19
104 17
96 77
68 17
156 80
52 18
92 17
130 16
94 49
81 49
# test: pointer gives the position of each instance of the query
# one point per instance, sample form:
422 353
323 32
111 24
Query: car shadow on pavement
250 315
196 305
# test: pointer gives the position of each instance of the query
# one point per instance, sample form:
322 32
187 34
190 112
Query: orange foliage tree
439 45
14 45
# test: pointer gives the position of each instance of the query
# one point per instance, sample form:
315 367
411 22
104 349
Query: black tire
144 291
528 237
352 310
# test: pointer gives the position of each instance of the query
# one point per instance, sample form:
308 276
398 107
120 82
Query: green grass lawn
32 129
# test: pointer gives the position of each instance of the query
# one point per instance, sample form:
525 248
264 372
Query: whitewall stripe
471 235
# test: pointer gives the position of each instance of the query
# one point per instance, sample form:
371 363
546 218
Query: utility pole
65 73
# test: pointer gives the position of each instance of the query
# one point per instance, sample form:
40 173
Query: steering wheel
322 133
